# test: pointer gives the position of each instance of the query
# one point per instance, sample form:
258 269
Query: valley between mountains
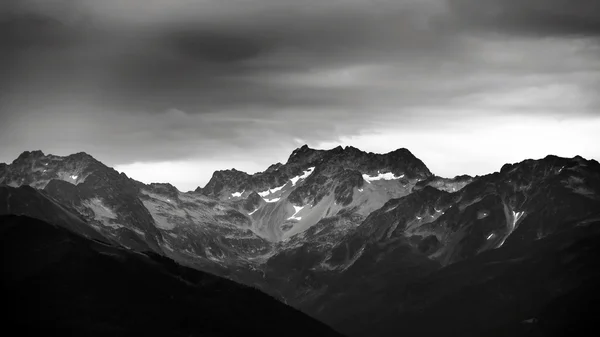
368 244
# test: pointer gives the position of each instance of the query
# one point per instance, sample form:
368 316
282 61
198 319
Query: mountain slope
317 184
546 289
191 228
341 275
337 233
60 283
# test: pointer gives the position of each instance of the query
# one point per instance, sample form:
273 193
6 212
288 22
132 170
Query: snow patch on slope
512 225
302 176
381 176
272 200
237 194
296 210
271 191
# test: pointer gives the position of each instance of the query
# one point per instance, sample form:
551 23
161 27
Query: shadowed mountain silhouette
55 282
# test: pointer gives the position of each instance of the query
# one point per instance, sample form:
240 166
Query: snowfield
381 176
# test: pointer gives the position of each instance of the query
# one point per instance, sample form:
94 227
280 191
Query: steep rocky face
37 170
328 230
544 289
201 231
334 263
106 199
221 180
317 184
253 202
445 184
189 227
3 169
340 249
400 162
37 204
522 203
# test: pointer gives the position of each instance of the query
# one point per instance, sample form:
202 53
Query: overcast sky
171 90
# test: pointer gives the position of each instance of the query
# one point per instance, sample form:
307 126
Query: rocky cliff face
428 229
316 184
325 231
193 229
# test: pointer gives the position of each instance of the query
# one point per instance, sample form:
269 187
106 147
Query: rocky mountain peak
224 178
304 155
274 167
29 155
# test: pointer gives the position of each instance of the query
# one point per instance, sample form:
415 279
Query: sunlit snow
419 218
272 190
303 176
296 210
490 236
360 189
516 217
381 176
237 194
272 200
73 177
254 211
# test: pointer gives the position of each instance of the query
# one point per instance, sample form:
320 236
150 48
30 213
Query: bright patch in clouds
481 145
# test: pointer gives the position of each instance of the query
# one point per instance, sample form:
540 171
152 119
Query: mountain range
369 244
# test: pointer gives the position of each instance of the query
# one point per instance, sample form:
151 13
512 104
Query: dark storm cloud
30 30
532 17
259 73
204 63
217 47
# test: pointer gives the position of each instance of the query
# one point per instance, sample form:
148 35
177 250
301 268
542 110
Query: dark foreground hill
548 288
55 282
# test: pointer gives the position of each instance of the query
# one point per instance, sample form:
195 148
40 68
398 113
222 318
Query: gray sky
169 91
